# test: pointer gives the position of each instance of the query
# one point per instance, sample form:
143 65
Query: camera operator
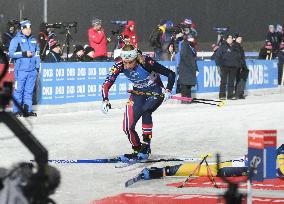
129 31
25 51
98 40
12 28
46 33
55 53
228 57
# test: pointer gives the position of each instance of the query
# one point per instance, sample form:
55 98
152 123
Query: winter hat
187 21
78 48
53 43
96 22
130 23
25 24
88 49
169 24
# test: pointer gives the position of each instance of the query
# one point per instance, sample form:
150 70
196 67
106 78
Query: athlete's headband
128 55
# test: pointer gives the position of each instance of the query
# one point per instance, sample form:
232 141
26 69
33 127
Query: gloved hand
167 95
105 107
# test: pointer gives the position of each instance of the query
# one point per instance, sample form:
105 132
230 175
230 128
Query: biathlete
147 95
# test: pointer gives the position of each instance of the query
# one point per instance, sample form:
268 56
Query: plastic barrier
79 82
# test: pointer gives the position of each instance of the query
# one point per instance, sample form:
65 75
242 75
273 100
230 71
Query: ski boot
131 156
145 150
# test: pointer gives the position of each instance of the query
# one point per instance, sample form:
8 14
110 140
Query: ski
118 160
132 162
134 180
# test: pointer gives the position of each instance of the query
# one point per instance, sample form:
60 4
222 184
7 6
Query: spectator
88 54
160 40
129 31
25 51
280 64
280 35
78 54
266 51
272 37
8 35
243 71
54 54
228 59
187 68
98 40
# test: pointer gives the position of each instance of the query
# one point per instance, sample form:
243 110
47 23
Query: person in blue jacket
24 50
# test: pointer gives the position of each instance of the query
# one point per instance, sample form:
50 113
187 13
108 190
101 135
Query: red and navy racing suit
145 79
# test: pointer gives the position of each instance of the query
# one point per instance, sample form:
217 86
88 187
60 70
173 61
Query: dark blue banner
80 82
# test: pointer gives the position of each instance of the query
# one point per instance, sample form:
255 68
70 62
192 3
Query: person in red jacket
98 40
129 31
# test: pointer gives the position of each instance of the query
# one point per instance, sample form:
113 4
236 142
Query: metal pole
45 11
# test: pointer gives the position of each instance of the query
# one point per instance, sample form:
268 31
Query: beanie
25 24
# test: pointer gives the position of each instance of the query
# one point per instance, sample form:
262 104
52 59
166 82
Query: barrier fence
81 81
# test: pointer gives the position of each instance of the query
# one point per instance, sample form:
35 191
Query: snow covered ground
81 131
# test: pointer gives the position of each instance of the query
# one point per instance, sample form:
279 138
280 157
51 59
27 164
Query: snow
82 131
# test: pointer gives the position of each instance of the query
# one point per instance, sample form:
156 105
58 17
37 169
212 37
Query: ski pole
213 102
194 171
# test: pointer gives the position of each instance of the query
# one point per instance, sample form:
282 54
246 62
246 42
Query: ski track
179 130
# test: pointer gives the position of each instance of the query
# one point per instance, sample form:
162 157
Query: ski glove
167 95
105 107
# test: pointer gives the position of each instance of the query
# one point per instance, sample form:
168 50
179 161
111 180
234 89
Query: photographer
45 35
98 40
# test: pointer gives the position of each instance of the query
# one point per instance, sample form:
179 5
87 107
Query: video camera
120 23
62 25
221 29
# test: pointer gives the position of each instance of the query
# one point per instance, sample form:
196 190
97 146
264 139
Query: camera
221 29
62 25
120 23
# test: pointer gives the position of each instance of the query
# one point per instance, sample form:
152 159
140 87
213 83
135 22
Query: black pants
228 75
185 91
280 73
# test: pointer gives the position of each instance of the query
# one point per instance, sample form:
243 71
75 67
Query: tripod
67 40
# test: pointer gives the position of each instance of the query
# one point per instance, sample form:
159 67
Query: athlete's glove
167 95
105 107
